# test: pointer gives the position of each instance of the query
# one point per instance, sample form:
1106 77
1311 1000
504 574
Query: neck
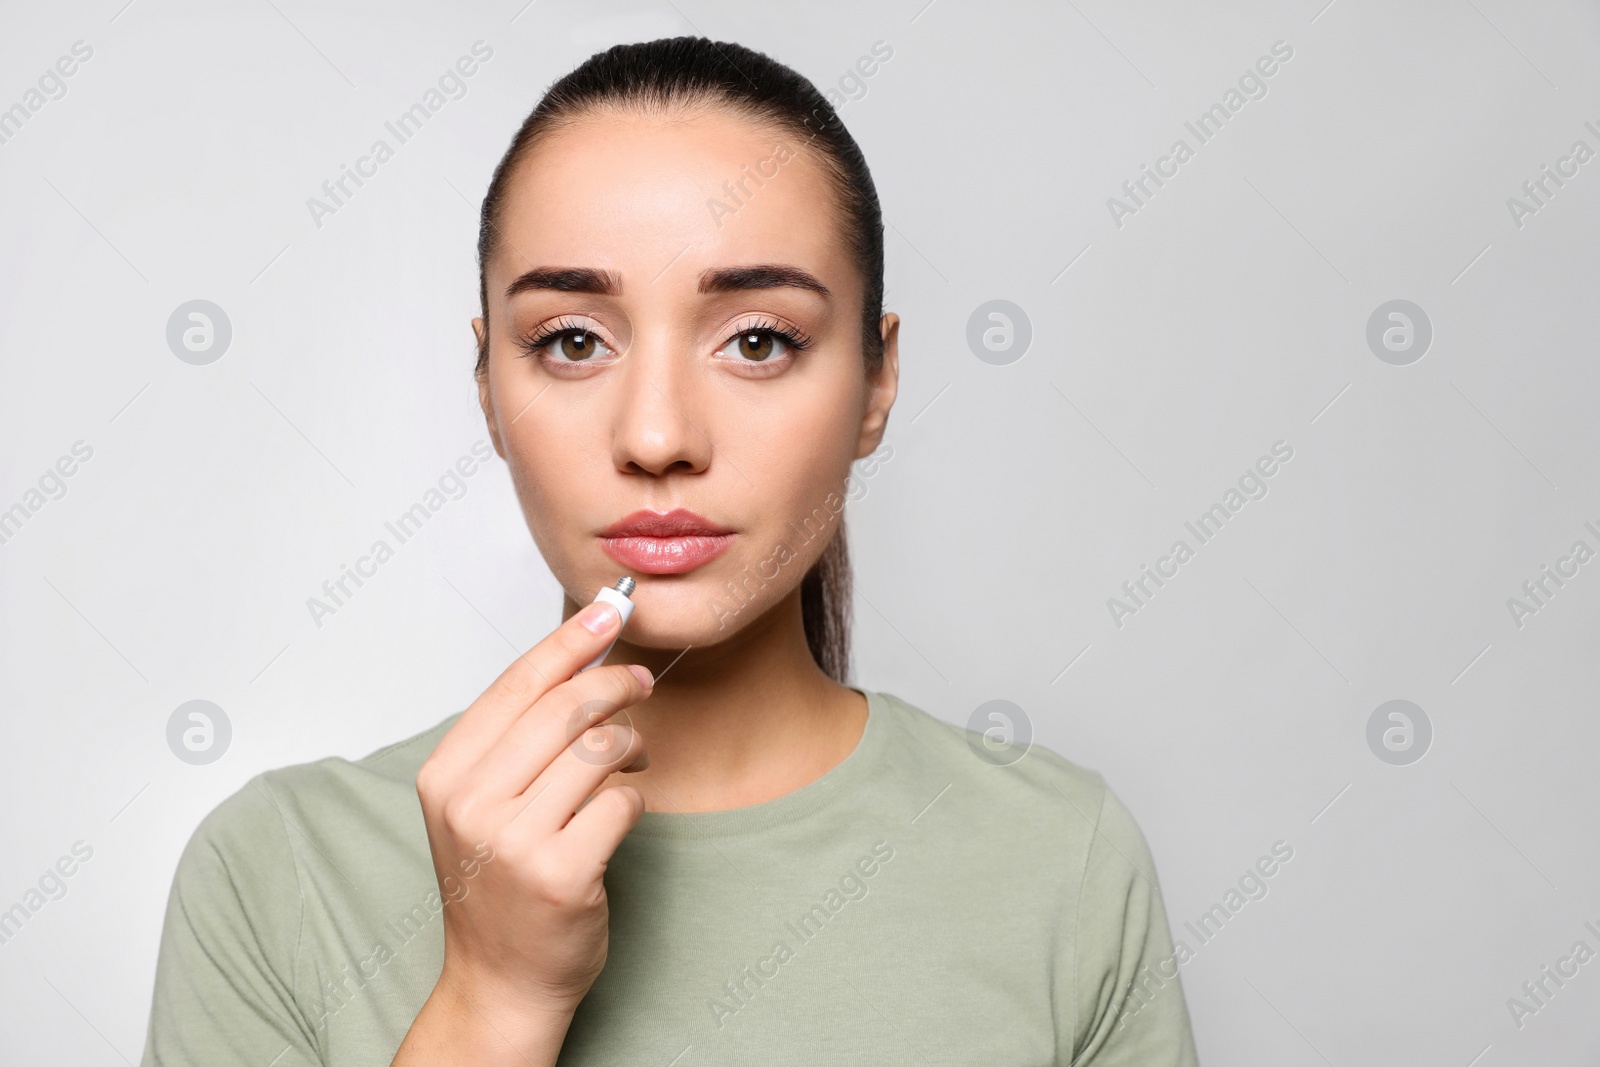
740 722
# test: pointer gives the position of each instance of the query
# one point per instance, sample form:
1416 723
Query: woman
682 350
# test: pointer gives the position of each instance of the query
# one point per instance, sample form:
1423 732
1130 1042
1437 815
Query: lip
672 542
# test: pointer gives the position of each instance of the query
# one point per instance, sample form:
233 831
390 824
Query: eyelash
794 338
787 334
533 345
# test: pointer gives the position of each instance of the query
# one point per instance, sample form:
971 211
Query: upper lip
679 522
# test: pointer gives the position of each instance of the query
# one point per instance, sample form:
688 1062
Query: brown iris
756 346
577 344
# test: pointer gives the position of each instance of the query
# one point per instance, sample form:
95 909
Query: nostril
657 430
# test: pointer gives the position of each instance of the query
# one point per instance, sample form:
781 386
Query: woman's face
675 323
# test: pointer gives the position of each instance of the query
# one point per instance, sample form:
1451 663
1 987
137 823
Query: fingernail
642 674
599 618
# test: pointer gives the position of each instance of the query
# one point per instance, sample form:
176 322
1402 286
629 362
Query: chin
702 607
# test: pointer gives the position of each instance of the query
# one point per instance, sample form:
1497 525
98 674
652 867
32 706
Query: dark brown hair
681 72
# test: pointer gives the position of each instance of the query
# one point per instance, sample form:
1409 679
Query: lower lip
666 555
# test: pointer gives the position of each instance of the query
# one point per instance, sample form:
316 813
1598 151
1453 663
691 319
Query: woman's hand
503 798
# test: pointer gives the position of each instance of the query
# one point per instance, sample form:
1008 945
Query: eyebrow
761 276
722 280
566 280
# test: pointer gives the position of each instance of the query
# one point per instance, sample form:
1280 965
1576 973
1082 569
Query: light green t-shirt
914 905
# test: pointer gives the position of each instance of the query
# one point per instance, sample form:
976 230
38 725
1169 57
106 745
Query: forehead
638 192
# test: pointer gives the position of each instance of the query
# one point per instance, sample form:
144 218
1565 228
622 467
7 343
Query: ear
481 333
882 387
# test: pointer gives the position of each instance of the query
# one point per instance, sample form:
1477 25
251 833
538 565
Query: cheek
547 455
806 452
800 454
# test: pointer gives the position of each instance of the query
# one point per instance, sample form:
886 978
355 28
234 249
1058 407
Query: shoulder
255 840
1055 851
1028 805
1000 757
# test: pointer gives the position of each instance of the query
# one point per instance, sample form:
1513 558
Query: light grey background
1167 354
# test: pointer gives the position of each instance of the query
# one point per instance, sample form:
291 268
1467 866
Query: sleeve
224 987
1127 998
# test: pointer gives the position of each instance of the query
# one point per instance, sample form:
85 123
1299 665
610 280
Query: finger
594 833
533 674
551 800
557 719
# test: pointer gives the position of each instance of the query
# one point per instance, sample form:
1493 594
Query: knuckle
589 746
570 641
461 813
553 896
608 743
515 685
427 782
590 696
432 781
575 713
550 883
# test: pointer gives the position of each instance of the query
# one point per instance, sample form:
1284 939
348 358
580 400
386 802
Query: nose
658 428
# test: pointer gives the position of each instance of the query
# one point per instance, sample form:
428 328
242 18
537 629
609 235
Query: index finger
530 676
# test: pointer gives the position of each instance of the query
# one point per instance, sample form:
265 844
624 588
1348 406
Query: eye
757 345
576 345
566 343
765 343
